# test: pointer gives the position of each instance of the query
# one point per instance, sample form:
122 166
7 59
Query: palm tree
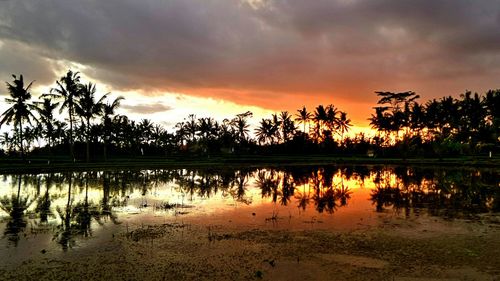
287 126
265 131
206 127
88 108
344 124
417 118
107 114
20 110
156 134
320 117
45 109
303 117
491 103
331 117
275 129
7 141
68 89
191 126
180 133
241 125
145 131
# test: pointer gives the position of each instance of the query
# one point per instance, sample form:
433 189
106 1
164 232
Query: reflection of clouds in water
347 193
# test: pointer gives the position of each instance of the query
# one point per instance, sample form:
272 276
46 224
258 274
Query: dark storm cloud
18 59
147 108
346 47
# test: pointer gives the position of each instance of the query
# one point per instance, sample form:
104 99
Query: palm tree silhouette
241 125
45 109
265 132
68 89
303 116
191 127
88 108
331 117
108 113
320 117
275 129
7 141
20 110
344 125
287 126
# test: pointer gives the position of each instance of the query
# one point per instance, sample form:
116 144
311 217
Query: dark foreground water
71 210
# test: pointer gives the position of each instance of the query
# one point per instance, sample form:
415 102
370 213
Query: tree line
92 130
446 126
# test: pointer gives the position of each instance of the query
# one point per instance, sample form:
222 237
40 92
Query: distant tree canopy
465 123
92 130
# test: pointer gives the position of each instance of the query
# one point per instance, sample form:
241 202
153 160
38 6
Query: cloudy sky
221 57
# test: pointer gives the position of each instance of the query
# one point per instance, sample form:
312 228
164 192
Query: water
73 210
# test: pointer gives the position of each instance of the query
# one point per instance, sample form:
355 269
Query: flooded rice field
291 223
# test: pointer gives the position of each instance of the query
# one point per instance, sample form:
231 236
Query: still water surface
73 210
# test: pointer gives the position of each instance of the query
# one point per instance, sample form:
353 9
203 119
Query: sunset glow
265 56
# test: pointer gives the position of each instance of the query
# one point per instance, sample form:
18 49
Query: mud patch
152 231
355 261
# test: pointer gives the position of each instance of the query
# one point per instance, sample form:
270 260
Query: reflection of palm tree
43 203
303 198
268 184
387 196
241 180
325 200
83 213
15 206
63 236
287 189
76 220
343 193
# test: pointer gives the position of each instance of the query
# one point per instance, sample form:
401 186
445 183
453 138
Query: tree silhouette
264 132
287 126
20 110
88 108
108 111
344 124
45 109
68 89
303 116
240 125
320 117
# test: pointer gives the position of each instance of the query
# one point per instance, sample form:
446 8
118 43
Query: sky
170 58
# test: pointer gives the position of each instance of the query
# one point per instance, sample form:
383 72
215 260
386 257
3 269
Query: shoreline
38 165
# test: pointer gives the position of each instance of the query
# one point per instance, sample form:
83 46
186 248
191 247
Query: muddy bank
458 250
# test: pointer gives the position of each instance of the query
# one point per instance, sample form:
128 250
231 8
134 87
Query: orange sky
260 55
